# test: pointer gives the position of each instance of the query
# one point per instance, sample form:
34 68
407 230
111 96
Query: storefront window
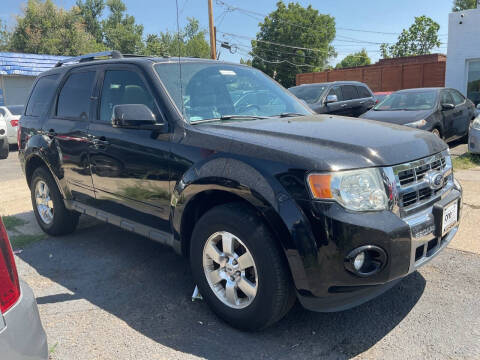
473 85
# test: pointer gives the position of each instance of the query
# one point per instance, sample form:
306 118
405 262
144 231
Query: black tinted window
349 92
446 98
363 92
74 98
457 97
42 95
123 87
310 93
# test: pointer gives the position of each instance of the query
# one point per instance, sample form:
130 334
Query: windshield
15 109
310 93
415 100
207 91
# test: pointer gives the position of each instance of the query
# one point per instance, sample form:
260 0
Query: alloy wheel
44 202
230 270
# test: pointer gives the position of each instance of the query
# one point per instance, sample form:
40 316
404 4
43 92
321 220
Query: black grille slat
415 175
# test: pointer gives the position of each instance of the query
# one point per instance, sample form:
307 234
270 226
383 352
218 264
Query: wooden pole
213 48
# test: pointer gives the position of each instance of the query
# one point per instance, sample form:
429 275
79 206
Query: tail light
14 122
9 284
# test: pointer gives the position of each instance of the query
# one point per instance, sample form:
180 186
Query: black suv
269 202
348 98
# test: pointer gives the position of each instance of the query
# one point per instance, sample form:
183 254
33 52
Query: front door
67 128
129 166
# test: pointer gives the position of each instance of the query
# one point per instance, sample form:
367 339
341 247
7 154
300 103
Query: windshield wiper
283 115
240 117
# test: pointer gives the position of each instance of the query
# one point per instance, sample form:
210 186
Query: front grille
413 189
415 174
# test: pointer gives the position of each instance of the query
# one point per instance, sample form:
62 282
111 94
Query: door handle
100 142
362 102
343 105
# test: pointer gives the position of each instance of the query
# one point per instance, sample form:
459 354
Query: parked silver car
3 139
474 134
21 333
11 114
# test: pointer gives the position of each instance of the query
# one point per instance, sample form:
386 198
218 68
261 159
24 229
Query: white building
463 57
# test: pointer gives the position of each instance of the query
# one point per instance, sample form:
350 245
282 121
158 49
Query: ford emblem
435 179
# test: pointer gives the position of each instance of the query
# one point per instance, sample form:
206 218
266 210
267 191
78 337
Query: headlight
358 190
476 123
417 124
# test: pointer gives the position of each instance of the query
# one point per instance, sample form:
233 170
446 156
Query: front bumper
22 336
410 242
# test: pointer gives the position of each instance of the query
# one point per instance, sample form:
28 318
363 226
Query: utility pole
213 48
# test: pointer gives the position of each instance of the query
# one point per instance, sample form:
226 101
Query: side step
137 228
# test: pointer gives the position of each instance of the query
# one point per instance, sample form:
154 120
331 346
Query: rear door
352 102
447 115
67 126
365 98
463 113
130 167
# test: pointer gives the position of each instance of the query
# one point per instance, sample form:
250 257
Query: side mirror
448 106
331 99
134 116
478 106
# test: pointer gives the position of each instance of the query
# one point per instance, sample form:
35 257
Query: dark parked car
444 112
21 332
348 98
269 202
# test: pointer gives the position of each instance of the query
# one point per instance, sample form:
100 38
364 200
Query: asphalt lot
104 293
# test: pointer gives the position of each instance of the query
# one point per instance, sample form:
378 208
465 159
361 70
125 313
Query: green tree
91 12
5 36
120 30
190 41
296 26
246 62
460 5
419 39
360 58
46 29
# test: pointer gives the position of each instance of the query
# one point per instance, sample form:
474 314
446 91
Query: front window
473 85
410 101
311 94
206 91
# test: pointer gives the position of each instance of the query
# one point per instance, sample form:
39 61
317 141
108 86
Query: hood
324 142
400 117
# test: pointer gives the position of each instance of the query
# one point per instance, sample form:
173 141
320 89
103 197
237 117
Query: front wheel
50 211
239 269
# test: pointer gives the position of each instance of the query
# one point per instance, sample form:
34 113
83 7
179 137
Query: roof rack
114 54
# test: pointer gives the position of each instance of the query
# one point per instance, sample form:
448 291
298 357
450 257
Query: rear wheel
4 152
50 211
239 268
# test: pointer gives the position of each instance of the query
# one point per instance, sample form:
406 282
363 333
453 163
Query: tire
274 288
4 153
61 221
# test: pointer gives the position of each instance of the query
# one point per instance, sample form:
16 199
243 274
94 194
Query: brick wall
388 74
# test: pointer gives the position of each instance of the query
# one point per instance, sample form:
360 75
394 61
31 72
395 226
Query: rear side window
74 98
363 92
457 97
349 92
42 95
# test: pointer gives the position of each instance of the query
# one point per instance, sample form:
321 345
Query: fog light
359 261
366 260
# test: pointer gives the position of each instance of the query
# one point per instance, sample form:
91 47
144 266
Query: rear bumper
474 141
22 336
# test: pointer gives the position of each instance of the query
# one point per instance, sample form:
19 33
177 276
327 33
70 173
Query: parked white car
3 139
11 114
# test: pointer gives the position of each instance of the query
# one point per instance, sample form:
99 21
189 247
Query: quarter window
349 92
42 95
123 87
74 98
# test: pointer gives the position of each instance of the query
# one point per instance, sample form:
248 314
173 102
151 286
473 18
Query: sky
385 16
